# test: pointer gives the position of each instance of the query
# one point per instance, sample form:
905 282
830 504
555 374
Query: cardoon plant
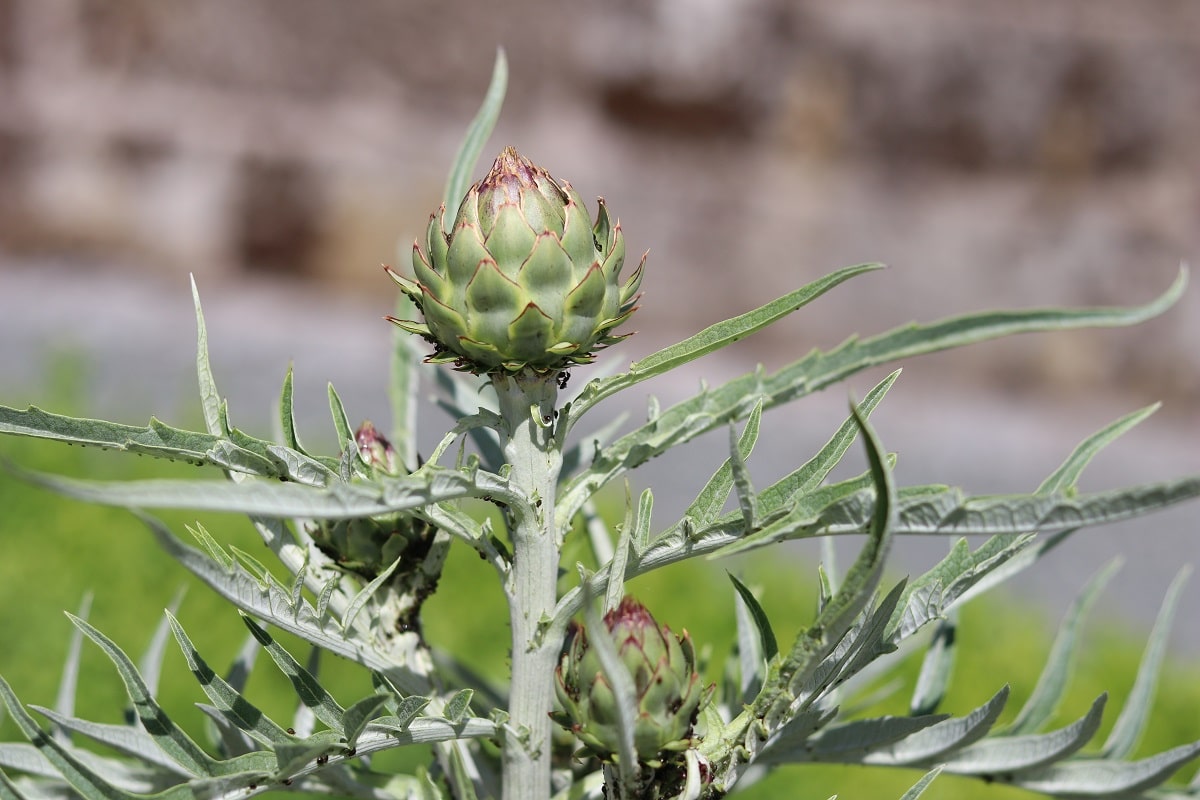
515 287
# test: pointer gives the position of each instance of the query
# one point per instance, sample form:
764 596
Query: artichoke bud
376 450
668 694
524 280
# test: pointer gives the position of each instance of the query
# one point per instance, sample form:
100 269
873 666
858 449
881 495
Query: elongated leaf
477 136
714 337
231 704
1052 683
1093 778
813 472
770 648
920 786
64 703
711 500
936 668
169 737
355 720
127 739
210 398
818 640
341 422
1009 754
403 387
852 741
157 439
8 789
1136 711
272 604
616 674
735 399
310 691
85 781
747 499
287 414
933 743
275 499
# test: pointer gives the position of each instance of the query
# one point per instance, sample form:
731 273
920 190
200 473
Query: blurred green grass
55 550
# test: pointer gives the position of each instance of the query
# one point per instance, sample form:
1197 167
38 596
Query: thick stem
527 406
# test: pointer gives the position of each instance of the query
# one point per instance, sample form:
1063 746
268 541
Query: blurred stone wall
1036 150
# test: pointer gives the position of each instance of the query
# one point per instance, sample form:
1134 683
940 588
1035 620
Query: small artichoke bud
667 690
524 280
375 449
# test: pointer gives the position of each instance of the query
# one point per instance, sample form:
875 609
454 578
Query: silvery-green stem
527 407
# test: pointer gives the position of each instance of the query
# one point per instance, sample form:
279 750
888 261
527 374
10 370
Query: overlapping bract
524 280
667 689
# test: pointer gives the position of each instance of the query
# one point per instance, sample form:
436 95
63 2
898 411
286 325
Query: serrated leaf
355 720
230 702
997 755
744 489
308 689
716 336
937 741
852 741
693 417
361 599
275 499
477 136
86 782
169 737
1095 778
1052 683
248 595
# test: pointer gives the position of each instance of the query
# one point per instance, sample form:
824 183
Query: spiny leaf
716 336
274 499
1009 754
230 702
310 691
937 741
919 787
735 399
272 604
167 735
1099 778
243 454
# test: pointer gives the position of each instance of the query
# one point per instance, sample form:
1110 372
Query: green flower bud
524 280
667 690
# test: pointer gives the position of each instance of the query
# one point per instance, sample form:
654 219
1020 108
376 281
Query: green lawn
55 551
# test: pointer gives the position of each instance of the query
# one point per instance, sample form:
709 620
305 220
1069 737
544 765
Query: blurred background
1036 152
1020 154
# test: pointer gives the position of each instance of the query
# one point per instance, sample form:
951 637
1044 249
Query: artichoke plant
523 280
668 694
